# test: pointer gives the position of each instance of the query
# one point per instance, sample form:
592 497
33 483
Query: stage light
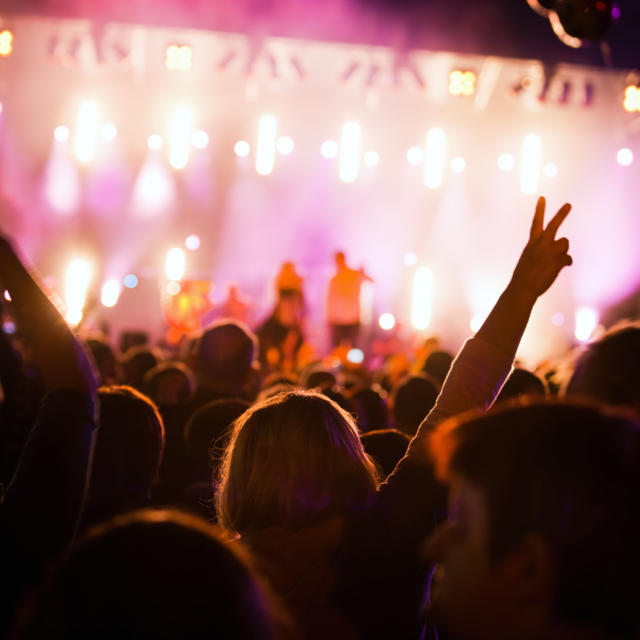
386 321
631 98
61 133
7 296
108 131
192 242
86 129
550 170
422 292
329 149
174 265
178 58
199 139
181 125
266 149
462 83
241 148
371 158
155 142
624 157
154 190
458 164
506 162
349 151
61 181
173 288
285 145
410 259
130 281
355 356
110 293
434 158
586 321
6 43
77 282
557 319
415 156
531 152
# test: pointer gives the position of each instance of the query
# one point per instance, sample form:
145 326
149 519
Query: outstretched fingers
537 226
557 220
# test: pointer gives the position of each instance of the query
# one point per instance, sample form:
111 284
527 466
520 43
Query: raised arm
481 367
41 506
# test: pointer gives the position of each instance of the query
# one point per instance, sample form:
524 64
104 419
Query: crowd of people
232 492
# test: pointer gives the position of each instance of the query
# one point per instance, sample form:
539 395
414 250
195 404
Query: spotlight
329 149
86 129
266 150
586 319
625 157
386 321
434 159
155 142
173 288
6 43
76 287
458 164
241 148
108 131
415 156
130 281
631 98
350 151
61 133
199 139
371 158
178 58
285 145
506 162
181 125
422 292
174 265
531 152
192 242
110 293
462 83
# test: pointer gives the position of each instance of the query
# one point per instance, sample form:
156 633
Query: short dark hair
412 400
157 573
225 353
129 444
569 472
609 369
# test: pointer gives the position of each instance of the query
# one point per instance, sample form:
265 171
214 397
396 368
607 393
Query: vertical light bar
422 293
86 131
266 151
531 154
350 151
175 264
77 282
434 159
181 126
586 319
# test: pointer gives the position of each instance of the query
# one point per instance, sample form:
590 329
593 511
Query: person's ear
530 572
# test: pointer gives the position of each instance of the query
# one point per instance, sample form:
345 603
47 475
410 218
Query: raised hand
543 257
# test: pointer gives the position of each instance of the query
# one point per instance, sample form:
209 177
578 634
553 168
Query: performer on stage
343 302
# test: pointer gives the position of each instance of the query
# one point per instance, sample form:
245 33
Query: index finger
557 220
537 225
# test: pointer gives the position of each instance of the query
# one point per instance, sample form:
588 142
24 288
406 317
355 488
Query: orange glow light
462 83
6 43
178 58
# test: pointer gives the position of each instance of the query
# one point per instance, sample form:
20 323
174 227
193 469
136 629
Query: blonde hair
292 461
